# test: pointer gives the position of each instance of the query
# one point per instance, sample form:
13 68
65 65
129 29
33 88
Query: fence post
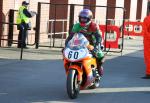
124 13
54 26
37 32
11 27
1 24
71 20
106 23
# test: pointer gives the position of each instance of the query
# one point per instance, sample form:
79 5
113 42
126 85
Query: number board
74 55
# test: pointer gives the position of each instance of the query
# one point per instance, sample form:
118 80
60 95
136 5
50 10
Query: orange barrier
133 28
113 35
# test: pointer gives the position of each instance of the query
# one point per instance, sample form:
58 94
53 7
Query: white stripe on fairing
100 14
133 10
144 9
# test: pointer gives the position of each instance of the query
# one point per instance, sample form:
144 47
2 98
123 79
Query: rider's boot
100 71
99 67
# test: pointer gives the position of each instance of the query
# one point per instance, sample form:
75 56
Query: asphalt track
44 81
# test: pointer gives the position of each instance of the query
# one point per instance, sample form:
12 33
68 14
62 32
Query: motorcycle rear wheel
73 87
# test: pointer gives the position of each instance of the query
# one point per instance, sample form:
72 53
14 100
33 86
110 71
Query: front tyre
73 86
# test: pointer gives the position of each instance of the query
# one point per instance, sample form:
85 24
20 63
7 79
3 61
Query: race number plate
74 55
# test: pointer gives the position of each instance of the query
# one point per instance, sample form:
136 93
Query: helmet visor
83 19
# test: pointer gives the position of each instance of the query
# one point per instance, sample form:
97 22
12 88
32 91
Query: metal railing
51 33
10 37
71 18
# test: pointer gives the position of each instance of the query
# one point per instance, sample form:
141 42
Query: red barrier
113 35
133 28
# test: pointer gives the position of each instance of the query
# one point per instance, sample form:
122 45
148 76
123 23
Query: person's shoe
146 76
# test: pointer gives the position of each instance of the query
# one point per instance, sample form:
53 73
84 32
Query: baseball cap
25 3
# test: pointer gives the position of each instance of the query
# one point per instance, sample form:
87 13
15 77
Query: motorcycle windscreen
78 42
77 48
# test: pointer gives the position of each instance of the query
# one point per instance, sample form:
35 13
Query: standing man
146 41
23 23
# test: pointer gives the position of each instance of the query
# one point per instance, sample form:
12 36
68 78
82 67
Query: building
135 10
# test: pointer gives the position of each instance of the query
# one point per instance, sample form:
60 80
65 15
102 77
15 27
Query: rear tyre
73 86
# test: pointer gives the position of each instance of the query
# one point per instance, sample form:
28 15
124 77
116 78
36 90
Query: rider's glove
90 47
94 51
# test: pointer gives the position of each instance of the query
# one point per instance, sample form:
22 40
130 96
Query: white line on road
3 93
111 90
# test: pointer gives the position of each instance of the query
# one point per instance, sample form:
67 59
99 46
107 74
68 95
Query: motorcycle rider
92 32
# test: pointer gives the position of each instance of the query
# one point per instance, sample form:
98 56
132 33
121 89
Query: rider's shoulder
76 27
77 24
93 26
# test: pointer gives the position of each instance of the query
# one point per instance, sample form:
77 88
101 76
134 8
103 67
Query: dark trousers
22 35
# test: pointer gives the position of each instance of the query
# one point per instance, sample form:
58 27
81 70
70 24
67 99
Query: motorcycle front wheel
73 87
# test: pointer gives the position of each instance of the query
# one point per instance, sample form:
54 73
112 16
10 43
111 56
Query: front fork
88 71
79 71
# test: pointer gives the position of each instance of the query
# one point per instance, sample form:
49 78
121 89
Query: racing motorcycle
80 66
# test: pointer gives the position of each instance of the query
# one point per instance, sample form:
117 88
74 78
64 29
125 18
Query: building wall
111 11
15 4
139 9
7 5
119 12
44 19
58 12
127 5
130 6
1 14
135 9
77 8
144 9
91 6
100 14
